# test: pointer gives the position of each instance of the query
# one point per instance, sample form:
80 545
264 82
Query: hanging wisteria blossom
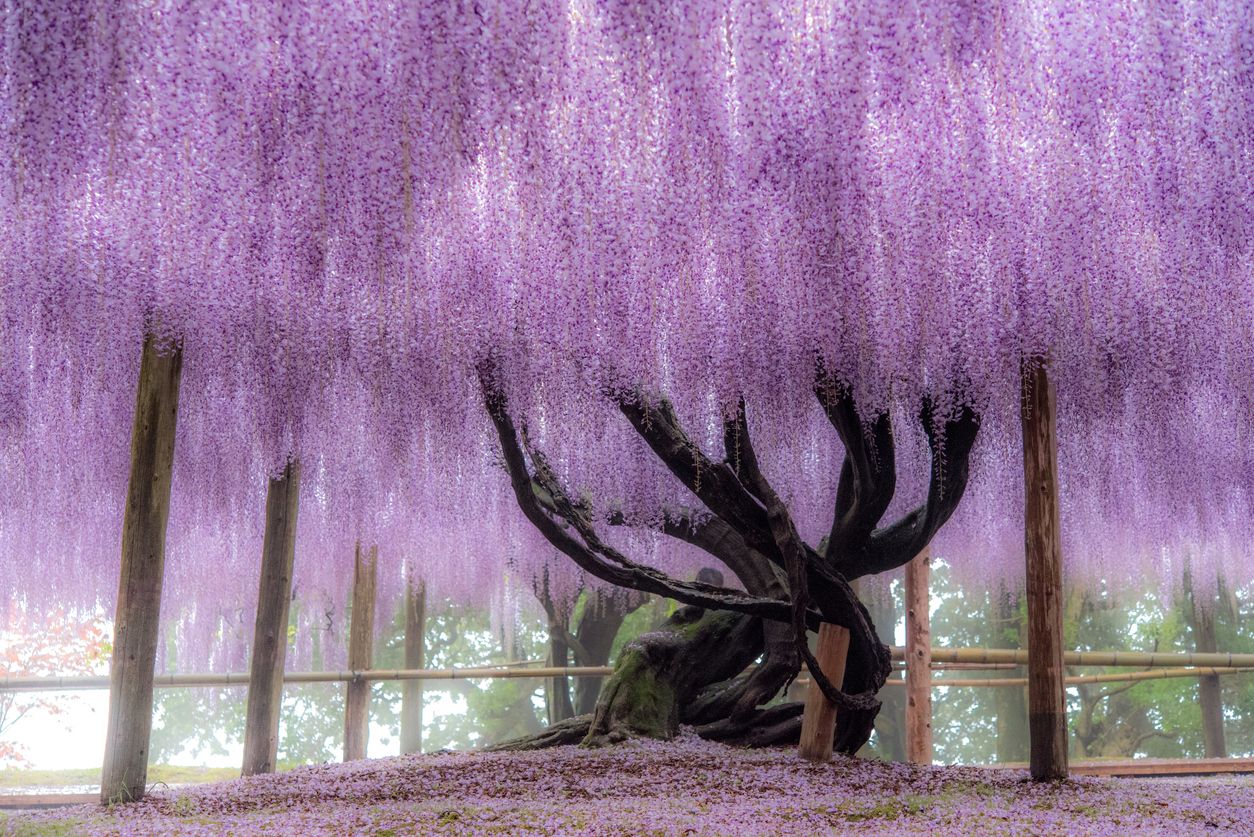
342 210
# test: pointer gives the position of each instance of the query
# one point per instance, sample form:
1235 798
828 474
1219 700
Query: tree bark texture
415 658
137 623
687 671
1209 694
590 645
602 617
360 654
274 597
1047 719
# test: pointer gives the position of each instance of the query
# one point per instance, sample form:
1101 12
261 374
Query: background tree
68 644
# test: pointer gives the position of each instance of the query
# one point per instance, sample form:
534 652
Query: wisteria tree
739 279
694 670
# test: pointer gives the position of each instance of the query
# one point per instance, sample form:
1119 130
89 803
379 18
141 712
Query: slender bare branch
714 483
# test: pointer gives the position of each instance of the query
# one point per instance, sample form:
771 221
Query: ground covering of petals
682 787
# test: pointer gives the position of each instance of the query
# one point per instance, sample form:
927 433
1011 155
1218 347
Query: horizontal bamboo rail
33 684
1130 659
1087 679
1079 680
1203 664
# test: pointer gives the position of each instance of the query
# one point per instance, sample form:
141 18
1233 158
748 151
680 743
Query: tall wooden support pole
1047 717
818 724
136 625
415 657
919 660
360 655
274 596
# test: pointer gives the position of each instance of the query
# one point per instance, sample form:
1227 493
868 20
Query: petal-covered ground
683 787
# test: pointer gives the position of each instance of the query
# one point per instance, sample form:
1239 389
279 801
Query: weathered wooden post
360 655
274 596
415 658
1047 716
137 623
818 724
919 660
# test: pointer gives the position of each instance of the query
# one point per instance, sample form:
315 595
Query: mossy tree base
692 670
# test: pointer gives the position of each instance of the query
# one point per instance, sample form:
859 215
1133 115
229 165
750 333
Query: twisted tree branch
588 551
861 552
868 475
792 549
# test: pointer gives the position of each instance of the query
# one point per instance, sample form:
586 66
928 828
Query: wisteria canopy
341 208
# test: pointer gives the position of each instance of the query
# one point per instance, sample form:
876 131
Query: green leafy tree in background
493 709
1155 718
1158 718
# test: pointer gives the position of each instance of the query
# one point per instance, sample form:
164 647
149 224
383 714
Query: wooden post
918 660
1047 717
360 655
818 724
137 623
274 596
415 658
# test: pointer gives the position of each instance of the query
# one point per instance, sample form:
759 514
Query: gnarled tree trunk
695 669
602 618
691 670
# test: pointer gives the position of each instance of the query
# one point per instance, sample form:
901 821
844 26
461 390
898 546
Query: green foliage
210 722
1154 718
1159 718
1235 632
487 710
964 720
641 620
